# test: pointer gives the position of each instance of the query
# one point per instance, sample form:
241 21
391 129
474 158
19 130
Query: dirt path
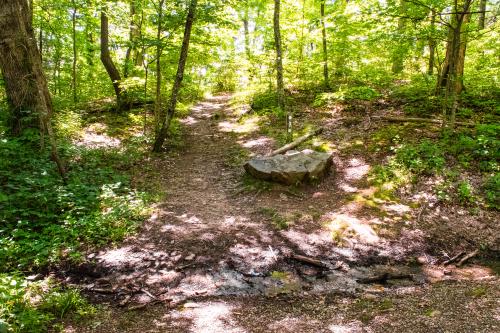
213 258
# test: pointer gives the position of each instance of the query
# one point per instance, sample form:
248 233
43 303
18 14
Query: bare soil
216 254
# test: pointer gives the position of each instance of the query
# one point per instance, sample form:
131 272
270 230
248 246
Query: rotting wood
297 142
467 257
419 120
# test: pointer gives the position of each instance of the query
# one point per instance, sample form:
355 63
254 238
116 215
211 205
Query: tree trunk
450 81
106 60
399 56
325 47
279 68
157 108
432 44
160 138
73 71
133 36
28 97
482 14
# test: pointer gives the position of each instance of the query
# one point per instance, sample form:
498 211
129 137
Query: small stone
190 257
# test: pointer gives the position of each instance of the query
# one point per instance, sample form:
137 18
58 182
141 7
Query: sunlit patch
309 243
248 125
291 324
116 257
253 257
342 226
189 219
188 121
194 285
213 317
357 170
95 137
162 277
354 327
259 142
397 208
347 188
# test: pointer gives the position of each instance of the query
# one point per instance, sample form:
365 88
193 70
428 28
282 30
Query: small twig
467 257
148 293
454 258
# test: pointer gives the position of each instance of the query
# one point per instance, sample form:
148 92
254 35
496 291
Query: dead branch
454 258
467 257
316 262
419 120
297 142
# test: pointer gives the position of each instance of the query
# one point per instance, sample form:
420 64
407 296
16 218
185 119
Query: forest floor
217 255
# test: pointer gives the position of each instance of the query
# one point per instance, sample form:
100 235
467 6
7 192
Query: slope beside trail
215 257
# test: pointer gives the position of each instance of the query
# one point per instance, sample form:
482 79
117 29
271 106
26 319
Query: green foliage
465 192
492 190
424 158
44 219
346 93
33 307
279 222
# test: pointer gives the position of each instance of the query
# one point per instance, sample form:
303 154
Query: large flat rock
291 168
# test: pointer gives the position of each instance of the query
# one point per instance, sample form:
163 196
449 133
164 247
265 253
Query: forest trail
213 257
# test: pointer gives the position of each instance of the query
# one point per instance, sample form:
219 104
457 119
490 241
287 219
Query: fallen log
419 120
383 277
297 142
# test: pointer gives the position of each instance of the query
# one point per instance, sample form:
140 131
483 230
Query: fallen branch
316 262
297 142
467 257
419 120
454 258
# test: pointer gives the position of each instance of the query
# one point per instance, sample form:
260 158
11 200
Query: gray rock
291 168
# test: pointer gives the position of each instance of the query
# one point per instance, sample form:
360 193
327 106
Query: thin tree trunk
482 14
28 96
157 108
73 71
325 47
279 67
160 138
106 60
398 57
131 41
432 44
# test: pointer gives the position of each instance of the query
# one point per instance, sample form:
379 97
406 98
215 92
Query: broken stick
297 142
467 257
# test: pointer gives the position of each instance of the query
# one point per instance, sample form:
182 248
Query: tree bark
325 46
160 138
106 60
73 69
28 97
130 57
450 82
280 89
398 57
157 108
482 14
432 44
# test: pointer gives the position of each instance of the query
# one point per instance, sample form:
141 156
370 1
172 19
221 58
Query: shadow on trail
210 238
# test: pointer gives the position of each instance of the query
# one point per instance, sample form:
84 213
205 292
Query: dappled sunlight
342 226
94 136
292 324
207 317
258 142
353 327
246 125
188 120
357 170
